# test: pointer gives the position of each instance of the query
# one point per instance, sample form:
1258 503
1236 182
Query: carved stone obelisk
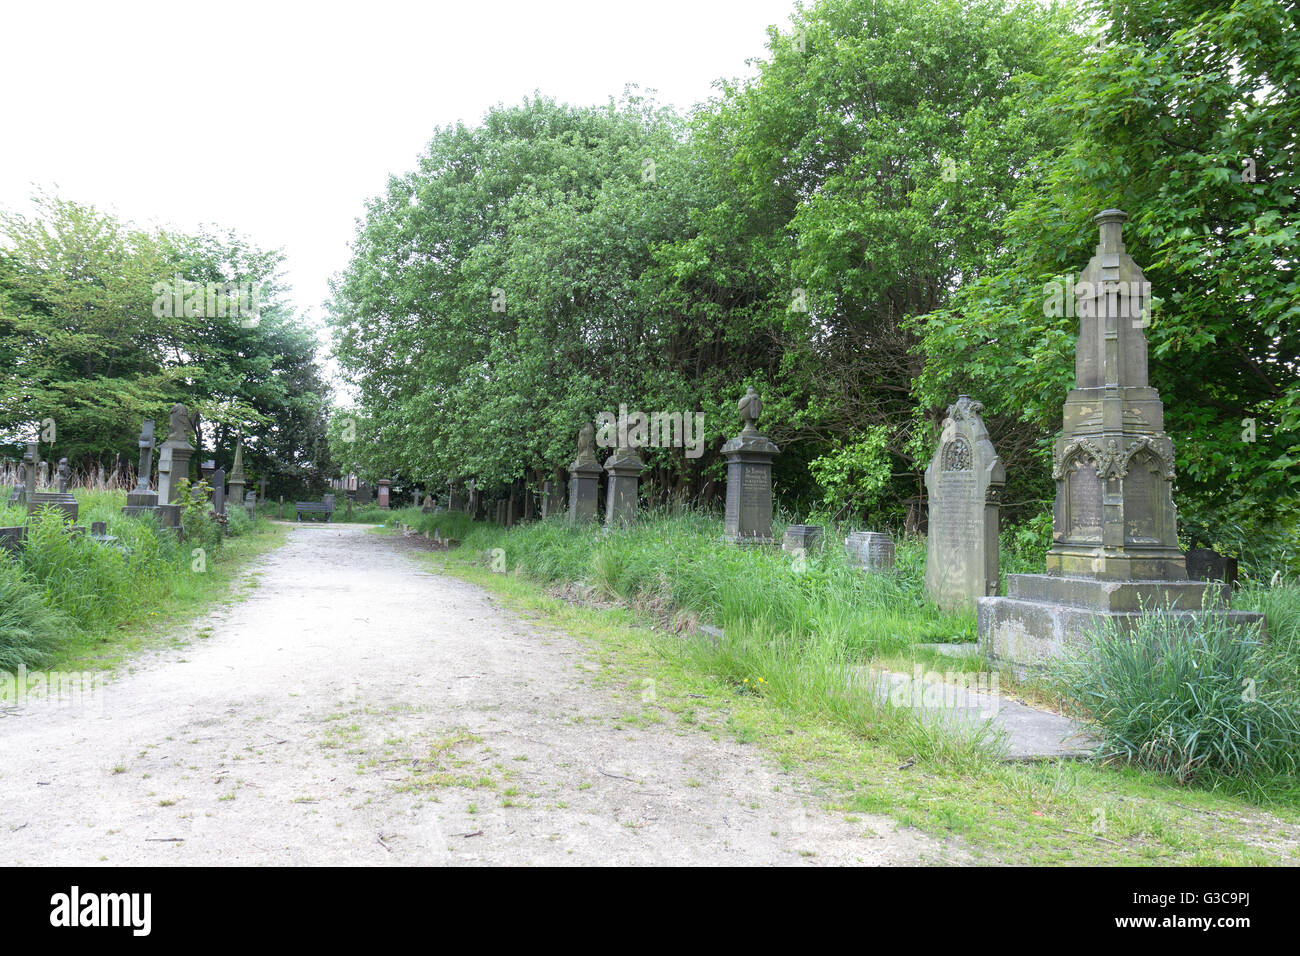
1114 547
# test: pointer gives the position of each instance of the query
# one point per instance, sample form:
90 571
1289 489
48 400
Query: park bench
313 508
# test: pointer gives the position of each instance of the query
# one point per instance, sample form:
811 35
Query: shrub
1185 696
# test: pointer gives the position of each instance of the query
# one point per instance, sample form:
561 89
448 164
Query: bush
30 631
237 521
1186 696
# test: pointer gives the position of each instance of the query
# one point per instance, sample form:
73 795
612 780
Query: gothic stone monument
621 492
60 499
964 482
749 479
1114 547
584 478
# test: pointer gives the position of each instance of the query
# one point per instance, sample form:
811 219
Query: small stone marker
802 536
749 479
870 550
964 482
219 491
64 476
1206 564
584 478
622 497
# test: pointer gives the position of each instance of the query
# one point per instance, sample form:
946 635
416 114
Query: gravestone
870 550
802 537
42 475
749 457
219 491
471 500
64 476
552 497
250 503
176 452
261 487
1114 553
206 469
584 478
142 499
53 499
384 485
427 507
455 499
1206 564
964 482
622 495
12 538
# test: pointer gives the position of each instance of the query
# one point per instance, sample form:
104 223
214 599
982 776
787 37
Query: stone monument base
1045 616
61 501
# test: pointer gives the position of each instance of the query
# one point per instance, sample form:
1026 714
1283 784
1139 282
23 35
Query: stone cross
964 482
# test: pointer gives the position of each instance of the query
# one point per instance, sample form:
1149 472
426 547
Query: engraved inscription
1085 503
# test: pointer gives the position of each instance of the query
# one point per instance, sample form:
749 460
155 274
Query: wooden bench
313 508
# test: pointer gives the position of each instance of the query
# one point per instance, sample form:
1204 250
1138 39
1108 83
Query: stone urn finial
751 407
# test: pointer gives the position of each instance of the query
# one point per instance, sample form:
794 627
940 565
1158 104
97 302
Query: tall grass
1187 696
30 630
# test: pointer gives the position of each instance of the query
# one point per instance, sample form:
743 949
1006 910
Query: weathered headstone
584 478
552 497
1206 564
12 538
219 491
964 481
250 502
803 538
427 507
177 451
1114 551
27 482
384 485
622 495
749 479
261 487
64 476
455 499
870 550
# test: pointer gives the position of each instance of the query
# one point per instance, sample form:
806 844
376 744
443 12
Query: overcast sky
280 119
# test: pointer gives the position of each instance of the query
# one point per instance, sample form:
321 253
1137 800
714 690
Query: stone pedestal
51 499
802 538
1114 547
749 455
384 485
870 550
584 491
175 456
622 497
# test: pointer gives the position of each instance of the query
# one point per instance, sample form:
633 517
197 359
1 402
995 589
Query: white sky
280 119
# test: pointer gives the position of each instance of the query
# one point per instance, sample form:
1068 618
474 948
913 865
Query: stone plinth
802 538
1044 616
622 498
53 499
748 518
870 550
1206 564
584 491
384 485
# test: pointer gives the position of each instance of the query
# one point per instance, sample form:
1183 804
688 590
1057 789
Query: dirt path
356 709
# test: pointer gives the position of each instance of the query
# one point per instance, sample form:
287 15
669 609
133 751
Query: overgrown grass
65 595
1192 697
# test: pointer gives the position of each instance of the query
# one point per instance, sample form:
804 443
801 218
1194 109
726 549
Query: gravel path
353 708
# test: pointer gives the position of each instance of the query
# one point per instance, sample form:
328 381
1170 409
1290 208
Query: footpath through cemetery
679 491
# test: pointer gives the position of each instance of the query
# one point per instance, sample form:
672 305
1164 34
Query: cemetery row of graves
1211 661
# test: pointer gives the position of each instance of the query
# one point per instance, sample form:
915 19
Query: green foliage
1188 697
853 476
30 631
1161 122
200 528
83 342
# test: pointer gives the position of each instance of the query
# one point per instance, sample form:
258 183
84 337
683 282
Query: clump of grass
1187 696
30 631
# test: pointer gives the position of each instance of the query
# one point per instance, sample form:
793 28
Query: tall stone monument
27 480
1114 547
622 495
237 479
384 485
176 453
584 478
964 482
142 499
749 479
